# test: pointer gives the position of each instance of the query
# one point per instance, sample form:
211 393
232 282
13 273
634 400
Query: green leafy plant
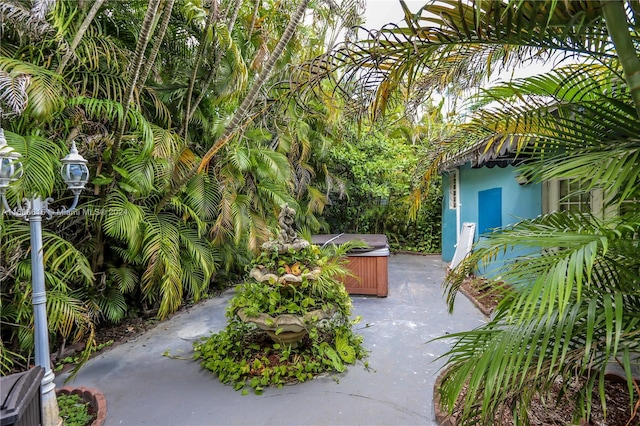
376 164
75 359
244 356
284 262
155 230
74 411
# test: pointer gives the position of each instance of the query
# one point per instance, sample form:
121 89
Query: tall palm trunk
254 18
615 19
141 46
78 37
249 100
138 59
213 16
247 103
162 30
212 73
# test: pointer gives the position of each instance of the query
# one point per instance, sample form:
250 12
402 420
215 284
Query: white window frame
454 189
551 201
454 197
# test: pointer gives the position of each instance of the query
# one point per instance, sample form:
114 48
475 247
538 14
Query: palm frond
270 164
112 304
453 43
124 219
137 171
572 308
66 314
125 278
23 21
162 278
39 159
202 195
544 117
187 214
69 264
98 109
201 261
13 93
63 257
43 90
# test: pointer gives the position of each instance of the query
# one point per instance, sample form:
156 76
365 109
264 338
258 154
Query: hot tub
369 265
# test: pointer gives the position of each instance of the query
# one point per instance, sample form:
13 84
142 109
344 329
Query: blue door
489 210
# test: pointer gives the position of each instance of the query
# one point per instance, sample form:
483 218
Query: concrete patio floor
143 387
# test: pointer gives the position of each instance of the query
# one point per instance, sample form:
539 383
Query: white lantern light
10 165
74 171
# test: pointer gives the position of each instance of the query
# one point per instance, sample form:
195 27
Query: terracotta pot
93 397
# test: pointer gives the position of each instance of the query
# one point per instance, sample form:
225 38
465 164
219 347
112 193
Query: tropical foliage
175 103
574 306
574 301
377 166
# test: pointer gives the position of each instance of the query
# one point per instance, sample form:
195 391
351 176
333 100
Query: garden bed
481 293
544 411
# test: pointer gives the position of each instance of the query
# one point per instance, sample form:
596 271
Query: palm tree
458 42
153 250
68 270
89 278
79 34
238 121
573 303
135 67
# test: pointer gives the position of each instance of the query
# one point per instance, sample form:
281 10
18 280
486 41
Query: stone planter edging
442 417
93 397
485 311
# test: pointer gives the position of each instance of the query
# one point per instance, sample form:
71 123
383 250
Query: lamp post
75 174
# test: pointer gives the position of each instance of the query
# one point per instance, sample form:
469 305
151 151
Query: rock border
442 417
93 397
481 307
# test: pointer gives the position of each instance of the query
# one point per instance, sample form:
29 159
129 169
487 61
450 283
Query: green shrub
74 411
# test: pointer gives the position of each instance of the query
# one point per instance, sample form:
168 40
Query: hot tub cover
374 241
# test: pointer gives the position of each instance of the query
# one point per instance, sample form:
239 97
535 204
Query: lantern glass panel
75 175
10 169
6 168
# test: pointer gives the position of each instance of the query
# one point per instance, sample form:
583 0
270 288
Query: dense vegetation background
200 119
195 133
573 293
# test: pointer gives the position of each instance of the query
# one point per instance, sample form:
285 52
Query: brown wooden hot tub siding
370 270
371 275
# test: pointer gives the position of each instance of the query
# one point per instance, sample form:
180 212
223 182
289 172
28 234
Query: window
453 189
572 198
569 195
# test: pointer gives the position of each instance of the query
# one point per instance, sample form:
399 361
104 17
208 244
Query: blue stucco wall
518 202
